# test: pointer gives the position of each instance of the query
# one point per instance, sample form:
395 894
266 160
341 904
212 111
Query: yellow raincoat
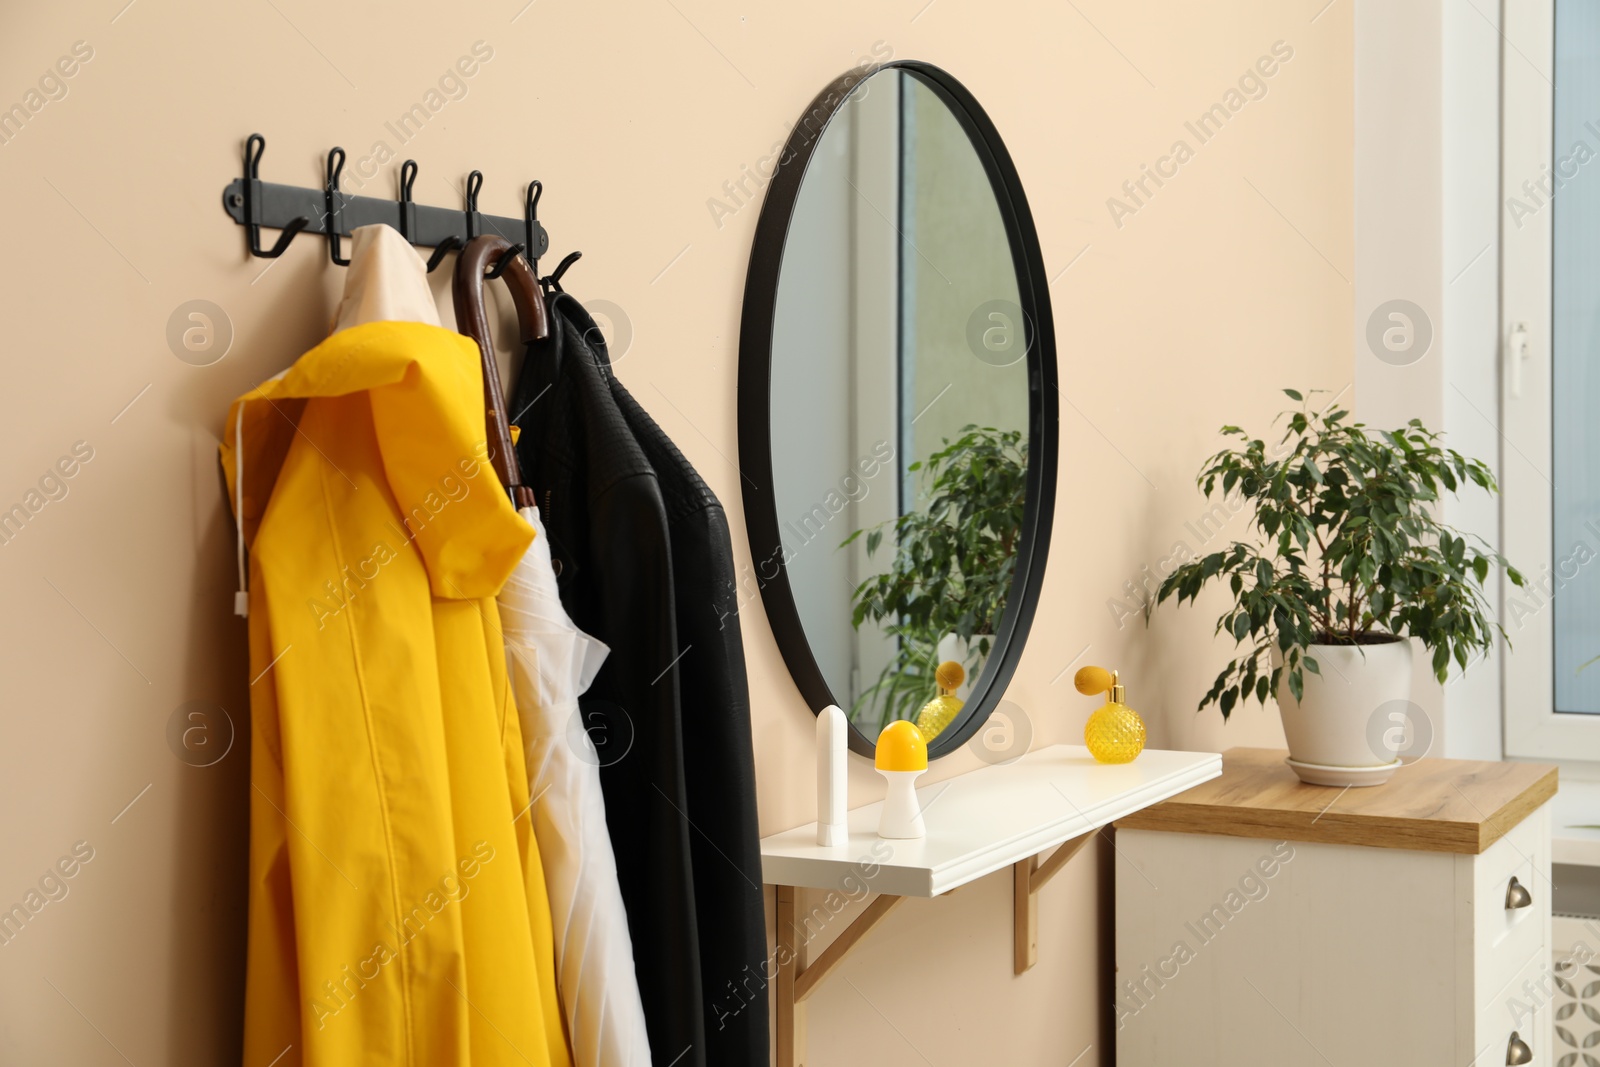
397 905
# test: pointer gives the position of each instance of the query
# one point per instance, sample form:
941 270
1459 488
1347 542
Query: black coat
602 507
711 704
717 754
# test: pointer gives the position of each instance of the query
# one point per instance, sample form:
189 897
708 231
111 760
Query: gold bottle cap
949 676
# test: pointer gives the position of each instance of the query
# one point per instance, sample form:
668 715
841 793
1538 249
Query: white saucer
1319 774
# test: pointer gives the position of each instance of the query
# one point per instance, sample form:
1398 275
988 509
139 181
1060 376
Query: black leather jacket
717 755
602 506
710 700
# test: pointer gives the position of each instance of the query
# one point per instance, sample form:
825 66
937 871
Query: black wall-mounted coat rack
253 203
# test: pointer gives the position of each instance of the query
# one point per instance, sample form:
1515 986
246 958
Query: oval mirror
897 406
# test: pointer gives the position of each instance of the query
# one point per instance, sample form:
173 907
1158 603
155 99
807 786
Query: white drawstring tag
241 599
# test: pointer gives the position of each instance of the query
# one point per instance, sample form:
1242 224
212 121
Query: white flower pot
1330 728
952 647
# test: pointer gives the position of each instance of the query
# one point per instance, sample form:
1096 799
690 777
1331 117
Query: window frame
1533 727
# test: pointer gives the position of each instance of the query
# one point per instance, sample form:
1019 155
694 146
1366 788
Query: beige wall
1224 286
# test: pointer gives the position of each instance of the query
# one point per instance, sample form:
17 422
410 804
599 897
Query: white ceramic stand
902 814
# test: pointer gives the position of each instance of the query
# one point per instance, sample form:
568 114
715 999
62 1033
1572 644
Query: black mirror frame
755 386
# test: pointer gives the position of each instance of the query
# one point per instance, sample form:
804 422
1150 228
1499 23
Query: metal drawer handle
1517 1051
1517 896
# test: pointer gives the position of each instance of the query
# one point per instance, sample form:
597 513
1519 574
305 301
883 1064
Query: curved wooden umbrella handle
472 319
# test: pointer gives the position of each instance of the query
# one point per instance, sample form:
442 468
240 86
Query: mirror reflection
900 407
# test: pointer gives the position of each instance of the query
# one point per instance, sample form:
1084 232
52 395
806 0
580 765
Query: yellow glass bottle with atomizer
1114 733
942 710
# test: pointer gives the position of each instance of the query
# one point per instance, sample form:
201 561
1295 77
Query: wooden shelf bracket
799 975
1028 877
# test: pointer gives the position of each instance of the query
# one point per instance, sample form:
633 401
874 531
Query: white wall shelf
977 823
987 819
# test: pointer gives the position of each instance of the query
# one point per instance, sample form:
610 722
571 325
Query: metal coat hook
538 241
553 279
530 222
335 199
250 199
474 184
408 216
448 245
503 262
408 210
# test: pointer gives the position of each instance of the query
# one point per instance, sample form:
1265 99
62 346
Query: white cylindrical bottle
832 781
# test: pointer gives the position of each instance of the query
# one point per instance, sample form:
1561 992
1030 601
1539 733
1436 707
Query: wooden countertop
1432 805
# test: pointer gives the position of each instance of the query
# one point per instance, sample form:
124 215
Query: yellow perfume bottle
941 711
1114 733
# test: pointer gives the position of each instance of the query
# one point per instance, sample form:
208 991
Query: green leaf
1293 394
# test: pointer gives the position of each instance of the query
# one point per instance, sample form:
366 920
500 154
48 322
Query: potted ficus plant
1351 562
955 553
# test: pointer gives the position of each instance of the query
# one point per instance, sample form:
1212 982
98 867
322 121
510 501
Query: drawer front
1514 871
1519 1017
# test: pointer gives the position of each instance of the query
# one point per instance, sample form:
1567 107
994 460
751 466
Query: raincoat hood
425 387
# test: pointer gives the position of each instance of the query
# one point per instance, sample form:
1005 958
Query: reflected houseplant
954 557
1350 563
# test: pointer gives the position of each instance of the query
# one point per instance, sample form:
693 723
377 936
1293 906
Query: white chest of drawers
1260 921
